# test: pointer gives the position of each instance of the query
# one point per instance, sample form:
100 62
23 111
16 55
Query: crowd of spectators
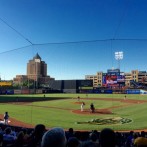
39 136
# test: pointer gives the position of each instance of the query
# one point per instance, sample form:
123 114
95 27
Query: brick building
36 71
133 77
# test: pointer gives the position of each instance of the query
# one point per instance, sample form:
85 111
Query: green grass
58 112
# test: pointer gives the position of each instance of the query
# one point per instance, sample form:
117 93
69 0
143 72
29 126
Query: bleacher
122 139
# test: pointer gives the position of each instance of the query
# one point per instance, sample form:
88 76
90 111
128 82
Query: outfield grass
58 112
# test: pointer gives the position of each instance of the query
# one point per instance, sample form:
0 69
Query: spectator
129 140
135 135
54 138
1 139
73 142
78 135
19 141
1 131
13 131
26 136
94 138
36 137
107 138
7 137
89 144
119 139
69 133
141 141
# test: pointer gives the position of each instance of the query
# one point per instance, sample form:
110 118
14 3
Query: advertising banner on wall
5 83
105 91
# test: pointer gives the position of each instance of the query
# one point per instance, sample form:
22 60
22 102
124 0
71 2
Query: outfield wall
96 91
23 91
105 91
136 91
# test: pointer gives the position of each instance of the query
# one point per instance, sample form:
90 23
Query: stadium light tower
119 56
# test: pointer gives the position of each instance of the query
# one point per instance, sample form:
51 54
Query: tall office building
36 71
36 68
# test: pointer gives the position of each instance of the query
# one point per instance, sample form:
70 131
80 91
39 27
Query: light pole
119 56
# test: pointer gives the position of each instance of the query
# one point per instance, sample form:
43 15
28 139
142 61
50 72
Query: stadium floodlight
119 56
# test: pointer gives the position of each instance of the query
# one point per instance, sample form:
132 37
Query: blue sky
55 21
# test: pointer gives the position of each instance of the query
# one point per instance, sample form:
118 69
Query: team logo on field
107 121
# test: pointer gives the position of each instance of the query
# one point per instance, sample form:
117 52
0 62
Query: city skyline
74 38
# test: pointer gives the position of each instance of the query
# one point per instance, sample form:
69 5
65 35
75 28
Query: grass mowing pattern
55 113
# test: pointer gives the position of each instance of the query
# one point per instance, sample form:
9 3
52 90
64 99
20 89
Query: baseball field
64 110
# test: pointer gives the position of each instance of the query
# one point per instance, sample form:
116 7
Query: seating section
13 136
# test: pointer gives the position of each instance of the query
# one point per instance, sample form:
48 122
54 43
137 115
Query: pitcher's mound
78 102
97 111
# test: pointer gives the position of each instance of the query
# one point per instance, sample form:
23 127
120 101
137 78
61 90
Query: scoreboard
113 77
